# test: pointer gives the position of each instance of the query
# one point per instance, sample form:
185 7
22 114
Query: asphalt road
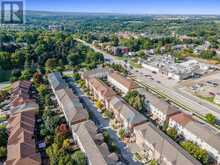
185 100
190 103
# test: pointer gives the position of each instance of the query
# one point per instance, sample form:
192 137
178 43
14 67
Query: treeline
28 51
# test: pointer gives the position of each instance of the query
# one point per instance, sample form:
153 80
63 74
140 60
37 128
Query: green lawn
209 99
121 58
3 118
5 75
135 65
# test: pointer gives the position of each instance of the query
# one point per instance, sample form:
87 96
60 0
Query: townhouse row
114 78
22 98
148 137
21 126
198 132
161 111
123 112
85 133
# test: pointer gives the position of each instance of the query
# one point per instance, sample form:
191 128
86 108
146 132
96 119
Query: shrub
122 133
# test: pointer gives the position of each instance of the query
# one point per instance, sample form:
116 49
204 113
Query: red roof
128 83
102 88
182 118
19 101
21 144
20 93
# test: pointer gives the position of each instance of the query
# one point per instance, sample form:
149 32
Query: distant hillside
49 13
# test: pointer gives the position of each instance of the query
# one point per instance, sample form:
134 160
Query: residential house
20 93
68 102
92 144
186 38
26 106
157 145
71 106
56 81
197 132
21 98
21 85
122 83
159 109
127 115
101 91
96 73
84 131
118 51
21 143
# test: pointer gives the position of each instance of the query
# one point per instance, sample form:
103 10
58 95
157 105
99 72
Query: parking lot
158 77
207 86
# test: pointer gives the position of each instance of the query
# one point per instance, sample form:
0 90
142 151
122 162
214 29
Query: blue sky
128 6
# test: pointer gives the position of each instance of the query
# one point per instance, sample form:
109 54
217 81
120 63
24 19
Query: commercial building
179 71
122 83
92 144
197 132
160 147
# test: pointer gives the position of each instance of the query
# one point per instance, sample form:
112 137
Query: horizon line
126 13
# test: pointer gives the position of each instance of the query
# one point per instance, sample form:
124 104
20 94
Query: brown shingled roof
105 91
20 93
19 101
128 83
21 84
182 118
21 144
